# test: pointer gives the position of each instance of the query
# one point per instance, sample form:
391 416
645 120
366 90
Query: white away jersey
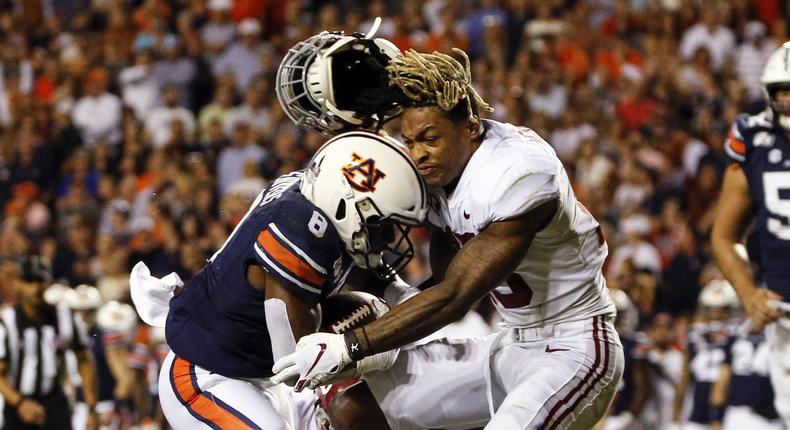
515 170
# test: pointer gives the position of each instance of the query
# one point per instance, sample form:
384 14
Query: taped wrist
380 361
398 291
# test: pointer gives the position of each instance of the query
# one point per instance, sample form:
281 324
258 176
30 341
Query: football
349 310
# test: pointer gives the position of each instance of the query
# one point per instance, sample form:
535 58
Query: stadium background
141 130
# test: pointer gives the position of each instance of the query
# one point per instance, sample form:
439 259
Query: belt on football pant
548 331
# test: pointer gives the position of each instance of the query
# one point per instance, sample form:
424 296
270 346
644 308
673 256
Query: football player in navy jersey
295 246
744 385
756 189
707 340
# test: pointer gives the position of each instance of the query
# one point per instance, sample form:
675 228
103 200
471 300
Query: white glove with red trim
318 357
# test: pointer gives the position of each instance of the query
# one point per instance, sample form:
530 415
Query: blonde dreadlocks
436 79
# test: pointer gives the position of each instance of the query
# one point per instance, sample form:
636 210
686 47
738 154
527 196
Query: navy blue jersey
763 152
707 345
218 321
635 349
748 356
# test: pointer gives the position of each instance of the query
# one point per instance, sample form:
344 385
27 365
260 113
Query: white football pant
743 417
193 398
560 376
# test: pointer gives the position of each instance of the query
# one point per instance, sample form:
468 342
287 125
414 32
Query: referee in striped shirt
33 338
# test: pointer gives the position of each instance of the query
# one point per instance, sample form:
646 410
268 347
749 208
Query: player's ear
475 128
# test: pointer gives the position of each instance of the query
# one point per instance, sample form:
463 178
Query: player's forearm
732 266
288 316
87 370
416 318
117 362
475 271
734 212
12 397
718 396
719 391
482 264
680 391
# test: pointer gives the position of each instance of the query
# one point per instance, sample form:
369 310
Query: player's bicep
735 208
489 258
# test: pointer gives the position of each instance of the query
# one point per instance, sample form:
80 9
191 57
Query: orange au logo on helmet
364 171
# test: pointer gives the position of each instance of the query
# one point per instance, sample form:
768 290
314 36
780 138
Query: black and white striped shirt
33 349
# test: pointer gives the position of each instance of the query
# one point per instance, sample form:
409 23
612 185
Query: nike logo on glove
549 350
299 385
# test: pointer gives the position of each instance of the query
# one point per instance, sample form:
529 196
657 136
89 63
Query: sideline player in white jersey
523 240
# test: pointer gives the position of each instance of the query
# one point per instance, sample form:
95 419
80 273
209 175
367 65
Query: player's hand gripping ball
322 358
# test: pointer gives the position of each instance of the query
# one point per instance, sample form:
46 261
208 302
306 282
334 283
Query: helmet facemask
334 82
780 108
382 243
291 84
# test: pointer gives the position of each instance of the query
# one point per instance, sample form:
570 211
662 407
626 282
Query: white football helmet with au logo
373 194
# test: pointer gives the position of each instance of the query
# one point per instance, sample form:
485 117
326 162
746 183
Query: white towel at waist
151 295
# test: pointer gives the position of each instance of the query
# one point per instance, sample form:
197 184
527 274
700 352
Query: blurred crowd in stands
141 130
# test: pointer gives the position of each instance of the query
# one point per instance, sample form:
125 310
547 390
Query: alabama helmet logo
362 174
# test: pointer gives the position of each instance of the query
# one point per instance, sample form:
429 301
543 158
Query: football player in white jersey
502 199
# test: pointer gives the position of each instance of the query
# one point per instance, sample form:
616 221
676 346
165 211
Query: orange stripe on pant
185 383
285 257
